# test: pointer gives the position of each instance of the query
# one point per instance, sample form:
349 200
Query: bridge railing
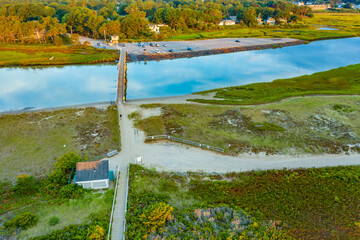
185 141
113 204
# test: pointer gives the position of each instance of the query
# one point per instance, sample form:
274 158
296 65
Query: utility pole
105 34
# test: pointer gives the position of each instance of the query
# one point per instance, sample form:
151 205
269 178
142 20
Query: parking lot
183 46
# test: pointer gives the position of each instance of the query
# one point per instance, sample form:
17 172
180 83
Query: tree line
50 20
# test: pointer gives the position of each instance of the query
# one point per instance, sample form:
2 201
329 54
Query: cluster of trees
49 20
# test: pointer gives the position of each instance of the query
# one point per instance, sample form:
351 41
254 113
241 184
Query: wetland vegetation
340 81
43 55
277 204
30 142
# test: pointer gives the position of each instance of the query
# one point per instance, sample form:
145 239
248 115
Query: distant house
93 175
227 22
282 21
318 6
233 18
115 39
156 27
299 3
259 21
270 21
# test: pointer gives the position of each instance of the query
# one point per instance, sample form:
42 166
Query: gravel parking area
186 46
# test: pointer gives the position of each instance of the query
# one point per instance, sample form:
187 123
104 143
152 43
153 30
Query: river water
57 86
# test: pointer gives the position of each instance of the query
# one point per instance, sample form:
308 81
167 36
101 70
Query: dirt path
172 156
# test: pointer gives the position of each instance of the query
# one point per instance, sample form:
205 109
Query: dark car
170 50
237 41
151 44
189 48
143 45
139 44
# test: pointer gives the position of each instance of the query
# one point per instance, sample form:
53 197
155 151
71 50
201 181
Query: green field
30 142
340 81
279 204
35 55
305 125
348 25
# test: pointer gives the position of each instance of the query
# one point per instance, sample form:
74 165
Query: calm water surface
49 87
56 86
183 76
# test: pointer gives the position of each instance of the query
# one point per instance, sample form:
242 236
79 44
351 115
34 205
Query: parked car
170 50
157 51
237 40
103 47
98 44
189 48
151 44
157 45
165 45
143 45
123 45
139 44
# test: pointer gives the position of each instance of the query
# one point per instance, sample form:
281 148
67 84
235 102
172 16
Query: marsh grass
30 142
31 55
295 126
312 203
340 81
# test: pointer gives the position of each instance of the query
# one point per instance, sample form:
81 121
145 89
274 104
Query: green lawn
72 212
340 81
279 204
35 55
30 142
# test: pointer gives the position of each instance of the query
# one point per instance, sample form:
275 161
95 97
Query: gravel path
171 156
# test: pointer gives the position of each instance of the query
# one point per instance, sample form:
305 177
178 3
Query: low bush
23 221
70 191
25 185
54 220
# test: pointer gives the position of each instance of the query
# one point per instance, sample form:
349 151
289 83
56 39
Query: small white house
94 175
270 21
226 22
259 21
156 27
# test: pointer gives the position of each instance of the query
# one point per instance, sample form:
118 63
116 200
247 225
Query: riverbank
12 55
211 47
98 105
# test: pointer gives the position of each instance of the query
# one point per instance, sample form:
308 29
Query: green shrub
25 185
265 126
54 220
24 221
71 191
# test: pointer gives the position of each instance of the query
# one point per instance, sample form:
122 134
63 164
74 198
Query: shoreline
99 105
131 57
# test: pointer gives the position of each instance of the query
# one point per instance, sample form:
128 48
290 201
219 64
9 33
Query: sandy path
171 156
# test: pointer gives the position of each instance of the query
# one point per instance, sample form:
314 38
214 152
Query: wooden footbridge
122 80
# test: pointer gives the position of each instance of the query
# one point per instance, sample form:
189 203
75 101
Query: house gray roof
89 171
